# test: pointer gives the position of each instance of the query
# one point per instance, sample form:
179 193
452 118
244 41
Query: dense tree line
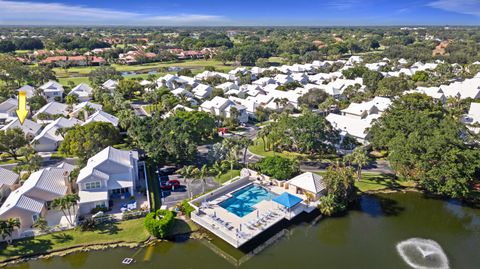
427 144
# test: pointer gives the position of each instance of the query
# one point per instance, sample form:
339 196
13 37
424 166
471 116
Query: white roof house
29 90
52 90
7 180
362 110
189 80
30 128
336 88
48 140
170 80
256 70
83 106
473 117
308 182
434 92
28 202
8 110
83 92
283 79
182 91
53 108
101 116
202 91
110 84
353 126
109 173
227 86
174 109
469 88
354 60
221 107
300 77
264 81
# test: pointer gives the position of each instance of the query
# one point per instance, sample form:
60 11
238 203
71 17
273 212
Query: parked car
167 170
171 185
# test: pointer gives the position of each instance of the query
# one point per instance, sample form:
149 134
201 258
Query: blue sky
240 12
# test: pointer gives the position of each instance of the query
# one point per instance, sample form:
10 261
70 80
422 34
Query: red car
171 185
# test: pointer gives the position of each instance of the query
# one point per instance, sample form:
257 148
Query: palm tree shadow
108 228
62 237
27 247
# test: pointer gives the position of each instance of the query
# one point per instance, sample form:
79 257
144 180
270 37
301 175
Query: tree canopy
426 144
87 140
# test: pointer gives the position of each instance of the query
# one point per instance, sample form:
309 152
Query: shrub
89 224
159 223
98 209
278 167
186 208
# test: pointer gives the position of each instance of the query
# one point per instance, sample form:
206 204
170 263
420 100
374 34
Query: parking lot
170 198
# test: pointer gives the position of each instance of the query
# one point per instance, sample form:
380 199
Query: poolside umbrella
258 214
215 214
240 226
287 200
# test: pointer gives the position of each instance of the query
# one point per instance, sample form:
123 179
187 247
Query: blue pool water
242 200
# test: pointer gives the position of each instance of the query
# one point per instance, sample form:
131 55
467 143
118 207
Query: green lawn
75 80
258 148
227 176
130 231
374 181
194 64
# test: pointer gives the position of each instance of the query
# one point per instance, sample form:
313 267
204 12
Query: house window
35 217
92 185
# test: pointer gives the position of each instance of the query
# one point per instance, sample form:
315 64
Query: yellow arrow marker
22 106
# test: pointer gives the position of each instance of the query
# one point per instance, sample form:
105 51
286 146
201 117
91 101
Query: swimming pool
242 201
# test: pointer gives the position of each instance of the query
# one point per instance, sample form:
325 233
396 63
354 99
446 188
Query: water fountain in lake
421 253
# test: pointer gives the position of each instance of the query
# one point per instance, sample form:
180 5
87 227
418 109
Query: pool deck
239 230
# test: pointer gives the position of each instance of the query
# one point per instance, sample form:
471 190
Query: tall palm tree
359 158
244 143
232 145
187 173
8 226
201 175
67 204
216 169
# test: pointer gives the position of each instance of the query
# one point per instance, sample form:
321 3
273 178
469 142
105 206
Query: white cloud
470 7
343 4
56 13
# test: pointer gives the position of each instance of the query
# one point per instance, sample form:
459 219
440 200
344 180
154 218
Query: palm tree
8 226
244 143
66 204
216 169
187 172
359 158
41 224
201 174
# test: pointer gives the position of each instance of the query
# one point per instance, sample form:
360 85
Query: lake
366 237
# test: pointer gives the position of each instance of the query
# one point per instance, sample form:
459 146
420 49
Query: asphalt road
170 198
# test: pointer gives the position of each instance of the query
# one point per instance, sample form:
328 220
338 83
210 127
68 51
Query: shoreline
195 235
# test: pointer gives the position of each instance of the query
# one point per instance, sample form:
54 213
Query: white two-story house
110 174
